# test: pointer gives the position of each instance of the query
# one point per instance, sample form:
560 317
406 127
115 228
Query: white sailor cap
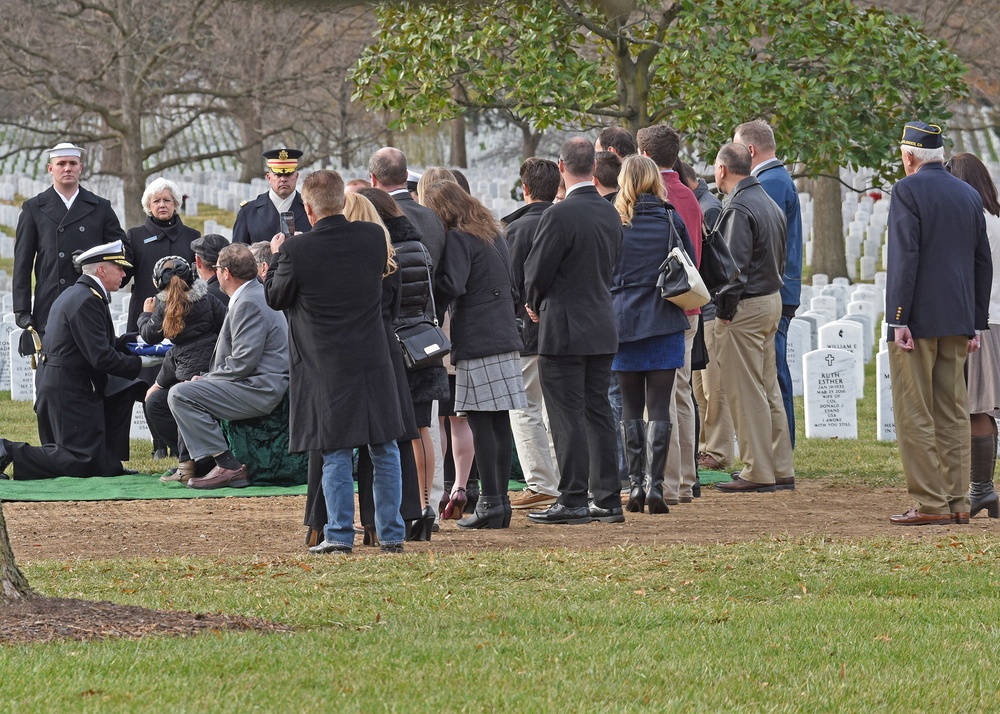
66 148
112 252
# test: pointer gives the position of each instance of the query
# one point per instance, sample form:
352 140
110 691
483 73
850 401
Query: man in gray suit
248 378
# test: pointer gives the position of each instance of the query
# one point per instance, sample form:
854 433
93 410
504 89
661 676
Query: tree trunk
459 157
829 254
15 585
529 141
250 135
133 180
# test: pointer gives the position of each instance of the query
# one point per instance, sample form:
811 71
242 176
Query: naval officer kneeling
85 387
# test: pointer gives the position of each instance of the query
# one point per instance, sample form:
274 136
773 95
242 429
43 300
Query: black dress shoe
5 458
560 514
606 515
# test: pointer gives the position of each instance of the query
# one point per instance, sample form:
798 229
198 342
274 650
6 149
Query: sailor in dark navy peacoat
47 236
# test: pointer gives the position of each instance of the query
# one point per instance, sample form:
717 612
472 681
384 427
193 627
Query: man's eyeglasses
217 268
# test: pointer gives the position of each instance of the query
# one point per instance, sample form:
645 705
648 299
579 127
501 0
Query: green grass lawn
771 625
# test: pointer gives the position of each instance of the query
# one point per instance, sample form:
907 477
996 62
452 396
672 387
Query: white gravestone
5 349
139 428
883 402
821 318
22 376
814 322
830 401
825 304
844 335
840 293
819 280
799 342
868 333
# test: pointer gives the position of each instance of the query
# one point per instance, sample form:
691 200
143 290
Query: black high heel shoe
370 537
421 528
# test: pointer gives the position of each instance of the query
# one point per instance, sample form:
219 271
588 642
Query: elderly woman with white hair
161 235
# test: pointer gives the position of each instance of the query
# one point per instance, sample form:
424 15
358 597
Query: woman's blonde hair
433 175
639 175
359 208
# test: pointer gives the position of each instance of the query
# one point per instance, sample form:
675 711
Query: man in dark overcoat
59 221
567 282
937 298
85 388
257 220
343 389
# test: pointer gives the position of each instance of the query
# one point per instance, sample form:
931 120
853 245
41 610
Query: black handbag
423 343
679 281
717 266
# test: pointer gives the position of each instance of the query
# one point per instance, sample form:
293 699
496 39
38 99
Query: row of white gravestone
17 375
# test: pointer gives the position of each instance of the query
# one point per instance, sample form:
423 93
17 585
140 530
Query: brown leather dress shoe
222 478
913 517
960 517
740 485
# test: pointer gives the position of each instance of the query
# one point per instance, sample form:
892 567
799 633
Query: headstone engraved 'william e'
883 401
5 348
846 335
830 403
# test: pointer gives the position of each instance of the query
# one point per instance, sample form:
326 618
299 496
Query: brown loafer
785 484
709 462
960 517
913 517
222 478
740 485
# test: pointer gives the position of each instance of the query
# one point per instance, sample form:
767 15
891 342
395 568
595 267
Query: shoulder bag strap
430 281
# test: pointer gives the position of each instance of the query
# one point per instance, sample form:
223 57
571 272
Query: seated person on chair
248 375
85 388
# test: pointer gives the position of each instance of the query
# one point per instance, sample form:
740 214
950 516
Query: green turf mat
706 477
133 487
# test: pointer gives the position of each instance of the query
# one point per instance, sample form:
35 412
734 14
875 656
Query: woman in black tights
650 329
474 280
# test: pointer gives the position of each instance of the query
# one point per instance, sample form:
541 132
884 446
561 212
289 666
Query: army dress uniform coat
258 219
83 428
342 383
47 235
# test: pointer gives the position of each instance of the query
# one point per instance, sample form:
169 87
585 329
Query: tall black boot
981 492
634 443
657 445
490 513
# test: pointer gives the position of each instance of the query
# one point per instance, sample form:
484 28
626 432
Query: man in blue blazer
257 220
936 301
567 281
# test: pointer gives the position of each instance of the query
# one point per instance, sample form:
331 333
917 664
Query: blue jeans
784 376
338 491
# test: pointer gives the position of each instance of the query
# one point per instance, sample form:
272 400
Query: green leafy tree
835 81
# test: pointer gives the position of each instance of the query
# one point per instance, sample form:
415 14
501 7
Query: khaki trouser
746 356
931 406
681 471
716 422
531 434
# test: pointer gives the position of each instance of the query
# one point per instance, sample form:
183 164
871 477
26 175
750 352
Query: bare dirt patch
246 529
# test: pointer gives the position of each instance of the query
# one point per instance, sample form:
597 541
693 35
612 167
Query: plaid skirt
490 384
984 374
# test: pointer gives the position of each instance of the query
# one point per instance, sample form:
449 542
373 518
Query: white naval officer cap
66 148
112 252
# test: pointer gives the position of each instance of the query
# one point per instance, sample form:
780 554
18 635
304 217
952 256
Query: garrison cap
922 136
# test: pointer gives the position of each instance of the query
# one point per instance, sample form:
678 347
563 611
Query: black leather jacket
753 227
